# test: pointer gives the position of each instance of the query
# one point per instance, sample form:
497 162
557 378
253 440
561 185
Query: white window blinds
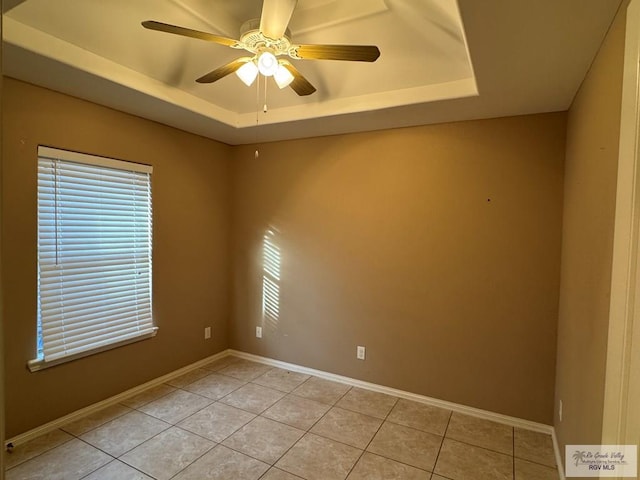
94 254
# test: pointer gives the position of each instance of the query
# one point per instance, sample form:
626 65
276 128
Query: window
94 255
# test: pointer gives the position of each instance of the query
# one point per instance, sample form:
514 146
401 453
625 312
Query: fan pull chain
264 109
257 154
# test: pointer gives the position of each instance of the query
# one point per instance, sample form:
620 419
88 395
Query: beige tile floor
238 420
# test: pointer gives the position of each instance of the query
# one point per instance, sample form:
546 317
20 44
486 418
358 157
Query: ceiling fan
268 39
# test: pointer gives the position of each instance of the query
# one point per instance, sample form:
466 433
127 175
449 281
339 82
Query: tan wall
436 247
593 130
191 205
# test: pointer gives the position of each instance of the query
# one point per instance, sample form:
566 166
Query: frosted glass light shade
283 76
267 64
247 73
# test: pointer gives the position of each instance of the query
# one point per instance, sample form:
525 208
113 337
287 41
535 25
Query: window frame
94 161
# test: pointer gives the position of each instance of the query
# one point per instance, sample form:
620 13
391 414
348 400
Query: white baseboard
476 412
456 407
556 450
83 412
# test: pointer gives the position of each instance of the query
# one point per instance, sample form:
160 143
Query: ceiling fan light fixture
247 73
267 63
283 76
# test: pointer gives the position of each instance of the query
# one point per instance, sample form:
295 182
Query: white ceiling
441 60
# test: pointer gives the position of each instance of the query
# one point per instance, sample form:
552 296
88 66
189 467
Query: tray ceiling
441 60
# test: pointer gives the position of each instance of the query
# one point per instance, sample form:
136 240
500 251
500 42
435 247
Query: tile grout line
100 450
79 437
364 450
171 425
476 446
207 406
132 448
245 424
215 445
109 463
175 425
555 467
444 435
309 429
219 401
219 444
256 415
386 419
225 438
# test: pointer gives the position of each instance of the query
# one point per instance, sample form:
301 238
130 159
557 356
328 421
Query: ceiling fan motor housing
252 40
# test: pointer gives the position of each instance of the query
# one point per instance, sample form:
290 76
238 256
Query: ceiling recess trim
365 103
48 46
40 43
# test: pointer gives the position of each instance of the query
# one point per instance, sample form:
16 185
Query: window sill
41 364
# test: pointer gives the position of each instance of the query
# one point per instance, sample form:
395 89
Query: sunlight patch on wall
271 259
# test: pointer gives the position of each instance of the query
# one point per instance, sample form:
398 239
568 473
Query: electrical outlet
560 411
259 332
360 353
207 333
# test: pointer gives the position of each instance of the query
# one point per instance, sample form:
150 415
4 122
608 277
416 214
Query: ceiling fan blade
275 17
223 71
356 53
187 32
300 85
